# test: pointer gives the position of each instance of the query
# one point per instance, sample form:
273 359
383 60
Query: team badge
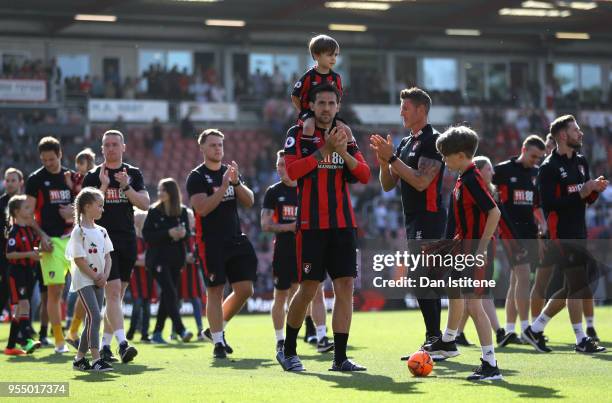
211 277
51 274
298 84
47 183
416 145
533 180
12 242
581 169
307 267
290 142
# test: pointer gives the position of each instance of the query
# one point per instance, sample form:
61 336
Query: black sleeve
547 182
137 181
150 230
196 184
269 201
498 176
291 140
92 179
430 151
479 192
297 88
31 187
185 222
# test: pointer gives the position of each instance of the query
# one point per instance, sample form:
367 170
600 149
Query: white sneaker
61 350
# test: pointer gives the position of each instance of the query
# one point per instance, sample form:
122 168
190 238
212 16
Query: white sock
106 339
578 332
321 332
590 321
225 324
218 337
449 335
120 335
488 354
540 323
280 334
524 325
510 327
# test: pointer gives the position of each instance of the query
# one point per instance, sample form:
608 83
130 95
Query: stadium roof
390 21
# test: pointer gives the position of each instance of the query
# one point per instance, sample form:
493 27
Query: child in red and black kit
23 256
142 286
84 162
324 50
190 283
476 217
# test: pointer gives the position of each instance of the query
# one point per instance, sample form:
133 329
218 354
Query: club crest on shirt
581 169
12 242
211 277
534 180
416 145
290 142
307 267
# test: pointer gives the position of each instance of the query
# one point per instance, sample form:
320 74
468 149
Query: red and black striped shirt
311 78
471 203
21 239
324 201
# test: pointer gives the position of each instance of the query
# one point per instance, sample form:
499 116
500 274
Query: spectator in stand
158 138
129 88
187 127
110 91
97 87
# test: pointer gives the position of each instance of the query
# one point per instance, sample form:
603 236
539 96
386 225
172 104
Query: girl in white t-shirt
89 251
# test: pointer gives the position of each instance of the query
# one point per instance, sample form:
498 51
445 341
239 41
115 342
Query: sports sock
310 326
23 326
43 332
321 332
510 327
524 325
578 332
449 335
58 335
540 323
74 328
431 316
280 334
13 333
488 355
106 339
290 340
590 321
120 335
217 337
340 342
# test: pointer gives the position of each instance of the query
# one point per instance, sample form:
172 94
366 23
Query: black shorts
231 261
425 225
565 253
284 270
331 251
21 283
39 277
123 256
472 272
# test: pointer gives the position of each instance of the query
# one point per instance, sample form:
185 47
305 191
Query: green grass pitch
187 372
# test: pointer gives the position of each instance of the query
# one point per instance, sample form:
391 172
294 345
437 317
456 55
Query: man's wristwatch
392 159
126 188
236 184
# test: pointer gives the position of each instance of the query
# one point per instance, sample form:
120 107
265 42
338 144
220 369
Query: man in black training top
226 254
123 188
419 167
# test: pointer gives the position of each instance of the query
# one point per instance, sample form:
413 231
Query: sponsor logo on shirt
229 193
522 197
289 212
332 161
59 196
574 188
115 196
